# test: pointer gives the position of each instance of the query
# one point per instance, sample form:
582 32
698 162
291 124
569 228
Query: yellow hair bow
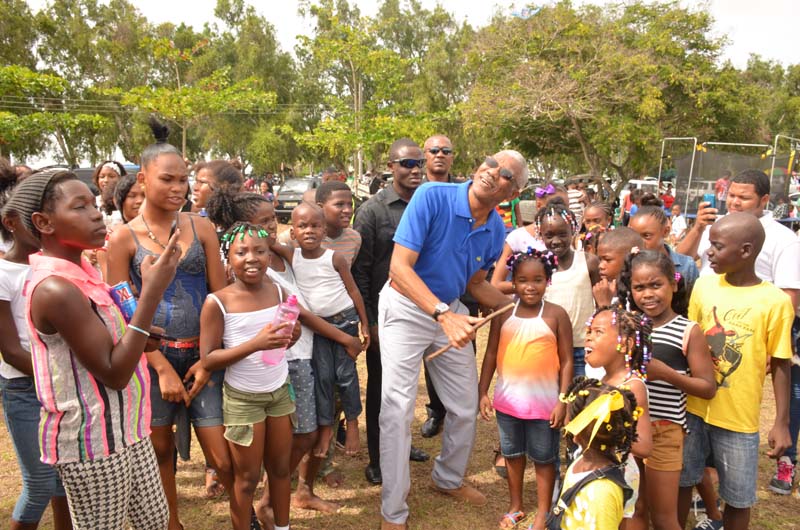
598 411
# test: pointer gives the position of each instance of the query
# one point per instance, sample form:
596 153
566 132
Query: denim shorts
205 410
735 457
534 438
302 376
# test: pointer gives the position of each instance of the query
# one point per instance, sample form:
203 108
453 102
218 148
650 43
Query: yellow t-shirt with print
744 326
597 506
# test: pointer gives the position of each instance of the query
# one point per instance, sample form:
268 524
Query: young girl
531 349
91 379
213 176
225 209
680 365
602 421
21 409
652 224
179 379
619 342
577 273
257 397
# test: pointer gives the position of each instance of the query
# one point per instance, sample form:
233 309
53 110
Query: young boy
612 249
678 224
323 276
747 322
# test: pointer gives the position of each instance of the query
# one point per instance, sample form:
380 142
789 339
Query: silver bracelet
140 330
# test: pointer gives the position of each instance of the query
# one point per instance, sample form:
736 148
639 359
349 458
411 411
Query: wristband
140 330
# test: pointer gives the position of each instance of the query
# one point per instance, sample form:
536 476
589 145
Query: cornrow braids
556 209
239 230
615 438
656 212
605 207
548 260
680 298
637 328
226 207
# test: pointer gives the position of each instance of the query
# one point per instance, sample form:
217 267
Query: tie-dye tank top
527 368
81 418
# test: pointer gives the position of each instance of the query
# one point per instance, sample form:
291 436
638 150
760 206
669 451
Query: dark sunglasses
444 150
503 172
409 163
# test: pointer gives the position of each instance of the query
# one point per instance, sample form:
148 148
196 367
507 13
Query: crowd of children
653 373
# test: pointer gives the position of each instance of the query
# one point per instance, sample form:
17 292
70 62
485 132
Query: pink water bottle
287 311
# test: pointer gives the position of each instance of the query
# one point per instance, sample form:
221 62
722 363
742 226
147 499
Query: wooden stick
475 327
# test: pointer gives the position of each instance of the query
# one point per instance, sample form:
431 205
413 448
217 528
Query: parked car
291 193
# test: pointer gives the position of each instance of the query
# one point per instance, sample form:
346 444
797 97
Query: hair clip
634 250
678 276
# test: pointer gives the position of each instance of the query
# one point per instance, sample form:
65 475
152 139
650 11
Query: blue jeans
334 369
534 438
40 481
794 396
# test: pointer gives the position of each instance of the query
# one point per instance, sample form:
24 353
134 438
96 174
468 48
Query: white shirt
12 281
779 259
678 226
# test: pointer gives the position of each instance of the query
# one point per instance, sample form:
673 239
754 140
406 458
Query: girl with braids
179 379
258 398
619 342
652 224
211 177
225 209
602 421
681 365
597 219
531 350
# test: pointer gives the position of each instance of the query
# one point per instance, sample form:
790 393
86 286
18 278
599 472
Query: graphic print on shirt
726 344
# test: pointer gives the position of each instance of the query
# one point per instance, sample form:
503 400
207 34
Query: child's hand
296 331
365 337
196 377
657 370
486 408
779 440
353 348
154 343
604 291
558 415
171 386
272 337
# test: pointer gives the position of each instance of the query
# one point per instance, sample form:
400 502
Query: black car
291 193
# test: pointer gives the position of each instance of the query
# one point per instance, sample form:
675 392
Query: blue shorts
534 438
735 457
205 410
578 362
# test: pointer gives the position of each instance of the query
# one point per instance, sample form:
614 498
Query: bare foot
265 515
352 445
307 500
334 479
539 521
323 441
213 487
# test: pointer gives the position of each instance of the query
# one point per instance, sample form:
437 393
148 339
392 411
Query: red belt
181 344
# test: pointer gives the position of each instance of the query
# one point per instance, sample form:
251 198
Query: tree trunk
586 149
69 158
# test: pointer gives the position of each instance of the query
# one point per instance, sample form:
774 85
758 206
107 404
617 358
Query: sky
764 27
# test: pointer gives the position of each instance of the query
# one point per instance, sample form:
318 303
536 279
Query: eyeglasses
409 163
447 151
503 172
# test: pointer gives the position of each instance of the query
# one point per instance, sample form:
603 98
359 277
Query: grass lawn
429 510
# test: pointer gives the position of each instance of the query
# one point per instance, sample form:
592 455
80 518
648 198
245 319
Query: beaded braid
636 326
614 440
548 259
556 209
239 230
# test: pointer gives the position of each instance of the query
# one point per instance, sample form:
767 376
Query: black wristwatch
438 309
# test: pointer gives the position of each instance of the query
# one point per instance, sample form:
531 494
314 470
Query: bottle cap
291 300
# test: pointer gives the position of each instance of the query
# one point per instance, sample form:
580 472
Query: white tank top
572 290
251 374
303 348
321 284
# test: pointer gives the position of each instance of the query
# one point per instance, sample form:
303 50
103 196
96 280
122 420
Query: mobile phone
711 199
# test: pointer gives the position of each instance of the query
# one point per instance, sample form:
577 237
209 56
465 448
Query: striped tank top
669 346
527 368
81 418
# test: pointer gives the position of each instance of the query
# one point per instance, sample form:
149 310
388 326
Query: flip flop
513 518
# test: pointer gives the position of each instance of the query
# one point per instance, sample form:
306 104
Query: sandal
214 488
511 518
500 470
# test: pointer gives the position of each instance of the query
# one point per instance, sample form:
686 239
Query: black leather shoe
432 427
418 455
373 474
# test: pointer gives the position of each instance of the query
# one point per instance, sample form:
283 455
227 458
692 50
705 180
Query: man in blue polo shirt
448 238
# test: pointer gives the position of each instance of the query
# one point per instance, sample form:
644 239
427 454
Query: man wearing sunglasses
439 157
448 238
